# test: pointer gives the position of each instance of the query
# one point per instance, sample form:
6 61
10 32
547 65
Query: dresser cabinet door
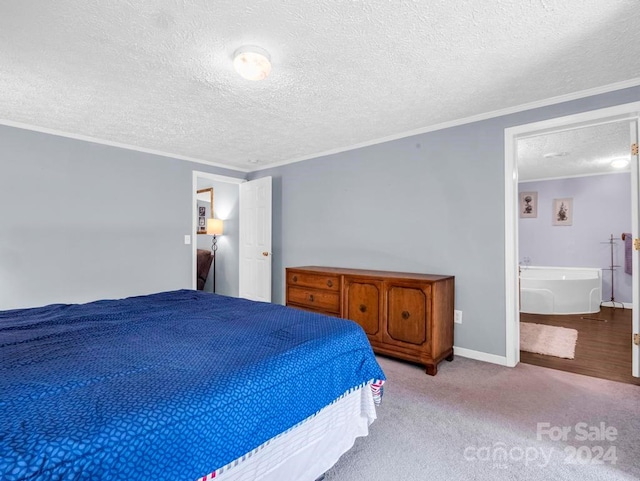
364 304
408 313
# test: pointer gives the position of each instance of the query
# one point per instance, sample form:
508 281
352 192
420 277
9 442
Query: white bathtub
560 290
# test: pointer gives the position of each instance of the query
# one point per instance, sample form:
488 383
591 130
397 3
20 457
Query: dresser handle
295 279
405 314
311 297
329 283
363 308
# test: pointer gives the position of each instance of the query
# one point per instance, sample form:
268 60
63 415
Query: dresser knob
405 314
329 283
363 308
295 279
311 297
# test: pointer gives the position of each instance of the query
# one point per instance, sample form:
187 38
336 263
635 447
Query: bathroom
575 208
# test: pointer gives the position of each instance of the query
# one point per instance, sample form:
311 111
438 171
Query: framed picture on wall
205 208
528 205
563 211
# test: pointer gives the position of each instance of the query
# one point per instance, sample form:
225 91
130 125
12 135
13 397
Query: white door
635 262
255 240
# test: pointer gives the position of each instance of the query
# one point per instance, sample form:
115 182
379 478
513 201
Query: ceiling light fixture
550 155
252 63
619 163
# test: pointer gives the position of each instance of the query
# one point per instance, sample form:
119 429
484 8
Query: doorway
225 206
574 191
513 257
242 263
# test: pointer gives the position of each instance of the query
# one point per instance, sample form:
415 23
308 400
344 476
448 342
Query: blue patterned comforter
167 386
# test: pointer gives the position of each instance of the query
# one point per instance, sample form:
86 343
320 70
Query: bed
180 385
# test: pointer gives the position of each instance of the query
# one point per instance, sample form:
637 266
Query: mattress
306 451
170 386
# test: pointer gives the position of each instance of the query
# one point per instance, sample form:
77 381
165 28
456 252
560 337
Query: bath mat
548 340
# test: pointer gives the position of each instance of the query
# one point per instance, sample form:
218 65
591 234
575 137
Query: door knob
265 253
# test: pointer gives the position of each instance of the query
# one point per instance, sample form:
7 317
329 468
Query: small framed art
528 204
563 211
205 208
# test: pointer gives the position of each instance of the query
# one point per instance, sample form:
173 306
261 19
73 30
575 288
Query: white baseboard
627 305
480 356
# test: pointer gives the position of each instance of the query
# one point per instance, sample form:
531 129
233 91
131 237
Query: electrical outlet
457 317
187 239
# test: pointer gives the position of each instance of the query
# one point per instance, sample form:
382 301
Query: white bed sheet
308 450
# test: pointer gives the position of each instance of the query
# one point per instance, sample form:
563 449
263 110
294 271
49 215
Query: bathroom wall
602 206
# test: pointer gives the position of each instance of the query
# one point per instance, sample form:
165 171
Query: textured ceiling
585 151
157 74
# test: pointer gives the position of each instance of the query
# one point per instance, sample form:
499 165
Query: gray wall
226 207
82 221
429 203
601 207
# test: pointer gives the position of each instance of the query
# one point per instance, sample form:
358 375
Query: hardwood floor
603 349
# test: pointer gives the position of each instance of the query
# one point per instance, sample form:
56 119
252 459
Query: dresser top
368 273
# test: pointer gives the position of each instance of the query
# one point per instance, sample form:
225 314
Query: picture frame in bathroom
563 211
528 205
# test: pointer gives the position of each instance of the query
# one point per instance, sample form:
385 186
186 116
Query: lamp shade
214 226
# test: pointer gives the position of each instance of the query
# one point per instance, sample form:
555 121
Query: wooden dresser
408 316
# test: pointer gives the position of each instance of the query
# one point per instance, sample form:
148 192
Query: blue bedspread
169 386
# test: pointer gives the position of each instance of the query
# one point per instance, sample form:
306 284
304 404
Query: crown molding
95 140
466 120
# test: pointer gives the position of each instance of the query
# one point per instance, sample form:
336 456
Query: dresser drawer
314 298
316 310
317 281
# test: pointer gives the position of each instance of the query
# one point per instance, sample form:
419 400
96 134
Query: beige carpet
480 421
549 340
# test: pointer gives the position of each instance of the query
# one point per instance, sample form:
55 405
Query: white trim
512 301
432 128
562 177
120 145
628 111
219 178
194 215
479 356
626 305
634 134
572 122
466 120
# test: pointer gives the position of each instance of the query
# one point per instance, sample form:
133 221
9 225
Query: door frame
194 215
630 111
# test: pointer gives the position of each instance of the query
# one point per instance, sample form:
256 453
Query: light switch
187 239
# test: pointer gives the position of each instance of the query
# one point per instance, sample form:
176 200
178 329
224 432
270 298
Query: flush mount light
619 163
252 63
550 155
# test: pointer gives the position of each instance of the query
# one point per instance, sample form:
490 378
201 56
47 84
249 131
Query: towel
628 246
